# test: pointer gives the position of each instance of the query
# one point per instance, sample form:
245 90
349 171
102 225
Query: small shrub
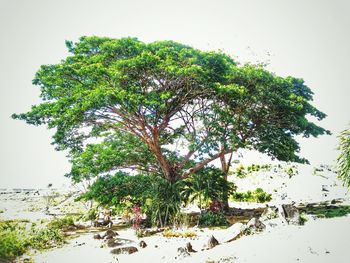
13 241
16 238
302 219
61 223
46 238
259 195
290 171
90 215
213 219
240 171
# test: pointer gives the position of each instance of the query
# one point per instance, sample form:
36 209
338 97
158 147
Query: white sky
308 39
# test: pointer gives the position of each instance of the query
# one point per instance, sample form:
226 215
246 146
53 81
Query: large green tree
166 108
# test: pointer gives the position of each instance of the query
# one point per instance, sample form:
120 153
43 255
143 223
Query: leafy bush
16 238
61 223
13 241
302 219
205 186
90 215
212 219
158 198
259 195
45 238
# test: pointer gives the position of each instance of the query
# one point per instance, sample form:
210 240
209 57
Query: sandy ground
321 240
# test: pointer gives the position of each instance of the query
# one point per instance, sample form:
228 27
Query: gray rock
291 214
212 242
143 244
109 234
325 188
182 252
124 250
270 212
233 232
97 236
189 248
256 225
113 243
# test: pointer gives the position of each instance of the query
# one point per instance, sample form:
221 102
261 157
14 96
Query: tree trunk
225 167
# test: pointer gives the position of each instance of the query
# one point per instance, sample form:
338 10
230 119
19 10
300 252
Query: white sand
322 240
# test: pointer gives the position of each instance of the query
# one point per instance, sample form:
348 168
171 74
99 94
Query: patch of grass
329 212
259 195
2 211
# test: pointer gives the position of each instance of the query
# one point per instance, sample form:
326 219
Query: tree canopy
166 108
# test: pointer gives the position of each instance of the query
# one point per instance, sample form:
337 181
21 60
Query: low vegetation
17 237
259 195
241 171
212 219
329 212
157 198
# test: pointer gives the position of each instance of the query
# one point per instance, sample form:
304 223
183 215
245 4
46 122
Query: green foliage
329 212
291 171
12 241
16 238
61 223
302 219
240 171
158 198
344 157
136 99
259 195
90 215
257 167
45 238
212 219
206 186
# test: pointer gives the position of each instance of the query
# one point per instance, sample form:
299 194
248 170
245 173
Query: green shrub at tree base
212 219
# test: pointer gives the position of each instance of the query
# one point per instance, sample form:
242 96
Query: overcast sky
307 39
